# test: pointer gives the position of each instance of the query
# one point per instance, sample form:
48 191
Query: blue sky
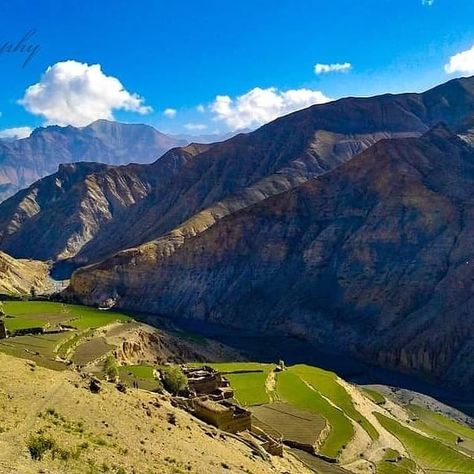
182 55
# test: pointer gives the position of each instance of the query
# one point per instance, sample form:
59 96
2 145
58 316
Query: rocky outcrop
194 187
23 277
138 343
24 161
374 257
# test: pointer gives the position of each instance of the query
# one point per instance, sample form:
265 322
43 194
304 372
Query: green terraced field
443 421
142 374
294 391
393 463
15 323
326 383
138 371
443 428
375 396
229 367
23 314
429 453
249 388
44 348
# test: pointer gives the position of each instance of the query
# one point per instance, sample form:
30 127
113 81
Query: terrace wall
27 331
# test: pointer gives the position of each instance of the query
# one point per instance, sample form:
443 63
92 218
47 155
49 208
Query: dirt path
270 386
376 449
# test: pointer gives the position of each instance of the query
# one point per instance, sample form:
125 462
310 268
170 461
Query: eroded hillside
23 277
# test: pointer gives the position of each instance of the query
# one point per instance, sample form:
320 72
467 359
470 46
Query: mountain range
206 182
346 223
26 160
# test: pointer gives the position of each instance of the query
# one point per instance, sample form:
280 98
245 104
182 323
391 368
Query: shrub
174 379
110 368
64 454
39 445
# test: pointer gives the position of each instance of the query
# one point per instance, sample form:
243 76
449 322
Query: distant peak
102 123
106 124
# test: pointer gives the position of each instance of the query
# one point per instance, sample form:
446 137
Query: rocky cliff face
375 257
24 161
194 187
23 277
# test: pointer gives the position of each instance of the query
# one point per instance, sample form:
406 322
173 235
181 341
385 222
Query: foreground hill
204 184
114 432
26 160
20 277
372 258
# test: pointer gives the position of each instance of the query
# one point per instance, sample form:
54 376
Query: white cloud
170 113
259 106
462 62
195 126
428 3
336 67
74 93
15 133
200 108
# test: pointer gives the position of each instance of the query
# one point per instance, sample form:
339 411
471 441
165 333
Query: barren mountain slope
23 276
231 175
57 215
374 257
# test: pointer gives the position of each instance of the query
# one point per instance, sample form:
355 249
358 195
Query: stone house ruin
207 381
208 399
223 415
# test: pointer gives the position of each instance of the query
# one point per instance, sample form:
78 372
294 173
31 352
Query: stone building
223 415
207 381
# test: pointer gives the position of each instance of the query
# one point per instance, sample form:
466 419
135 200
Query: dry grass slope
135 432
